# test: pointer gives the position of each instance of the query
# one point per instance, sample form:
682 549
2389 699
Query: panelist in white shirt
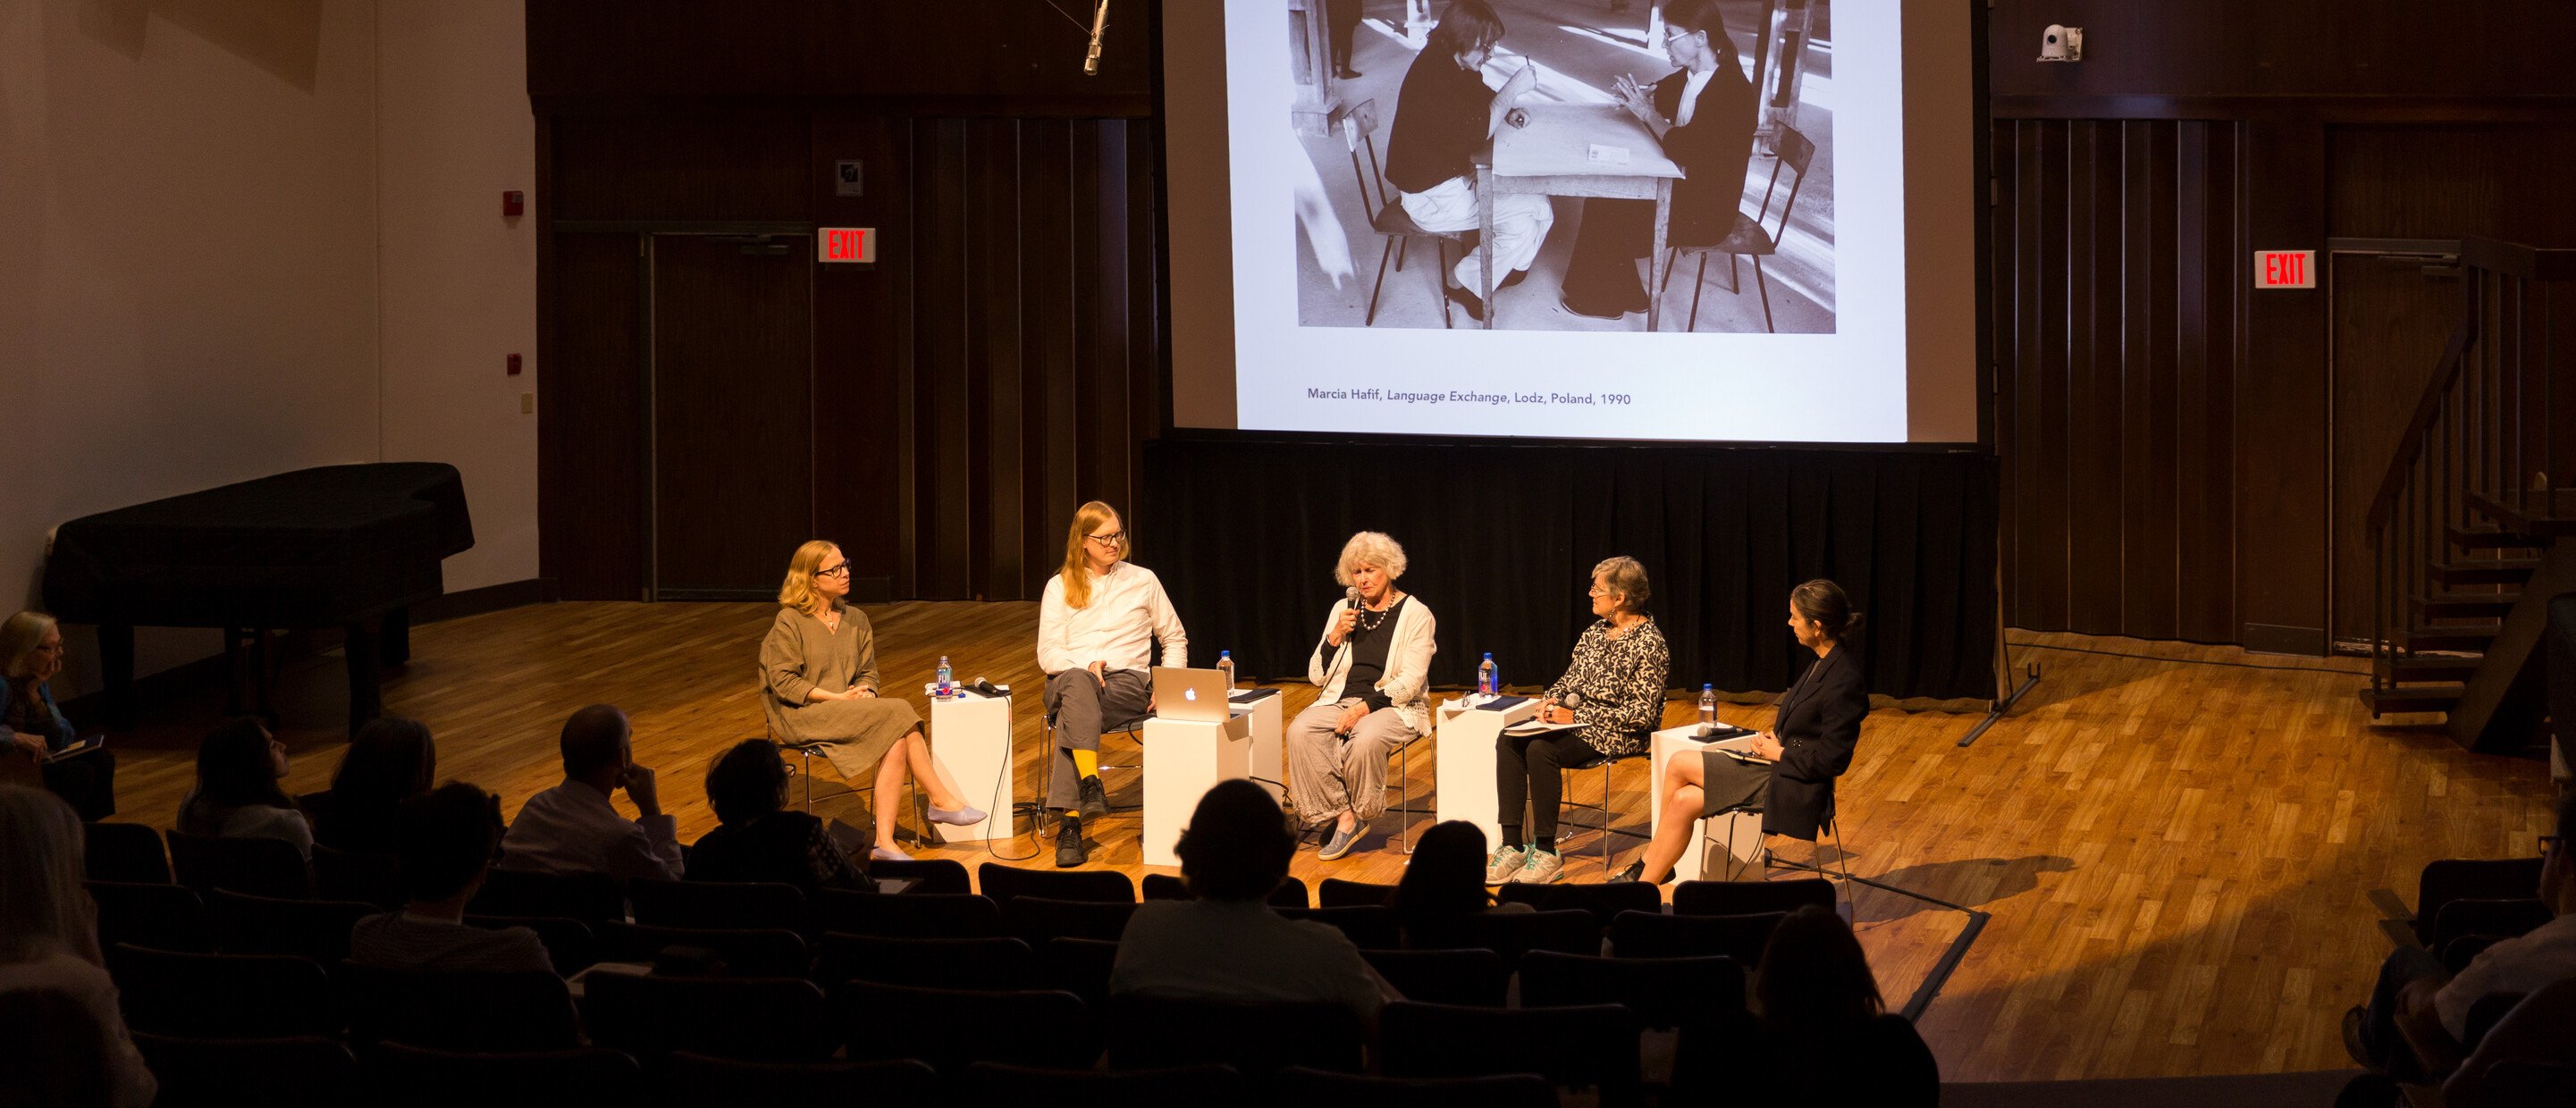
1096 630
1374 664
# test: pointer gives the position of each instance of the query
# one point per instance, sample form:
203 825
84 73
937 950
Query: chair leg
1440 281
1403 246
1382 252
1605 818
1696 278
1764 284
1734 277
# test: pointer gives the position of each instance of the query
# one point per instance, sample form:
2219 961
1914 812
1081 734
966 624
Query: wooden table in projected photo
1553 157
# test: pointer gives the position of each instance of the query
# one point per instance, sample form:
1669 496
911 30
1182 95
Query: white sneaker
1504 864
1543 867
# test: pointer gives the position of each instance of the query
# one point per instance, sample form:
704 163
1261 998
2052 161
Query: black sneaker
1068 843
1095 799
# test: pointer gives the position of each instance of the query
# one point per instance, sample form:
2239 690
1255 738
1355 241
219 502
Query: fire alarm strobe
513 204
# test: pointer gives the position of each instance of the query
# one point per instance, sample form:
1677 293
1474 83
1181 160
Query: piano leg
366 696
396 637
116 665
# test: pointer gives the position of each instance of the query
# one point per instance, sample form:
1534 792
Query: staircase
2468 533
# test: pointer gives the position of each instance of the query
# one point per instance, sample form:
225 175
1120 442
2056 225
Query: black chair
1299 1085
1081 967
1256 1039
316 929
691 1080
1605 902
2459 952
1357 124
745 951
343 875
1594 1046
767 1019
261 867
2529 1083
569 943
457 1009
222 996
1744 898
909 916
1047 1028
129 852
994 963
1334 892
1649 935
717 904
928 875
1445 976
2501 918
588 897
1369 926
1512 934
1663 992
1291 893
408 1076
2470 879
1601 764
159 916
1000 1083
1002 882
1035 919
289 1072
1748 236
60 1055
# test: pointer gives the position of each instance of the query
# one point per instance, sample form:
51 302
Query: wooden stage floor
2177 858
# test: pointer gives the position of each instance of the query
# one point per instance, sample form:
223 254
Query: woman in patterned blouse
1615 689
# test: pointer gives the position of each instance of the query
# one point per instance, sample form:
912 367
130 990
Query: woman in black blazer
1810 743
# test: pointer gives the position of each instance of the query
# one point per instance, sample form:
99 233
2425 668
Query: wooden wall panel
590 426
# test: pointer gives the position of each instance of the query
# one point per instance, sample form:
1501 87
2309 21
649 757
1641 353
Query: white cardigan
1407 681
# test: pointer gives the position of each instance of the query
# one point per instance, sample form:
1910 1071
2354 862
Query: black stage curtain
1502 540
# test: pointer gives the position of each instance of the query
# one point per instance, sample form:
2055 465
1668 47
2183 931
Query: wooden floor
2178 858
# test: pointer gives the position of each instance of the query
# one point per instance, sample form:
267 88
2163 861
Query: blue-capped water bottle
947 682
1708 705
1489 680
1225 668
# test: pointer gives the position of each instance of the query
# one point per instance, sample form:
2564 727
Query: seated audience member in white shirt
1096 630
573 828
1227 944
444 839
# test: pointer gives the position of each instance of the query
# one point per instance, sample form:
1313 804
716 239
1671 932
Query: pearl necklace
1367 624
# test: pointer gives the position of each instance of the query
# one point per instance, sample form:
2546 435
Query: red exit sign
847 244
2285 269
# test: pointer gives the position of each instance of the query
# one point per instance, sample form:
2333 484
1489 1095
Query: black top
1818 725
356 828
1441 120
1368 656
789 847
1712 149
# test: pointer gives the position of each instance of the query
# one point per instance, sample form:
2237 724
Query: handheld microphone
1572 700
986 688
1352 595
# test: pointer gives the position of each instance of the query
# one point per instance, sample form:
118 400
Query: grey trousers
1083 708
1327 775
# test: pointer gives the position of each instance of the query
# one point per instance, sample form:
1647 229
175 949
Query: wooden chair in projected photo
1749 236
1357 124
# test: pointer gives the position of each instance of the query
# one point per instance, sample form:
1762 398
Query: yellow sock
1086 763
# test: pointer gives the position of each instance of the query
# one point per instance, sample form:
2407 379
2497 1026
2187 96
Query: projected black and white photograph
1564 165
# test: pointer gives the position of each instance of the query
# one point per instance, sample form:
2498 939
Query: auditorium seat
569 942
1512 934
316 929
996 962
2503 918
1744 898
950 1028
1035 919
1652 935
457 1009
908 916
1589 1047
406 1076
302 1071
1604 901
1291 892
1663 992
1002 882
1474 976
928 875
1369 926
689 1079
1256 1039
261 867
2470 879
1000 1083
588 897
1081 967
1299 1085
159 916
344 875
727 904
207 996
124 852
1337 893
745 951
770 1019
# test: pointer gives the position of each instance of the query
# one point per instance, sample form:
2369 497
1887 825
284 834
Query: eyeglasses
1111 539
1673 36
841 570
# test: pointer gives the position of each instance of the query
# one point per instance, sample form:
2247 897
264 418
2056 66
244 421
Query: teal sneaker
1504 864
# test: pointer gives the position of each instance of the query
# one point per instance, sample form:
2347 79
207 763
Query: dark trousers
1083 708
87 782
1342 18
1601 277
1526 766
2379 1034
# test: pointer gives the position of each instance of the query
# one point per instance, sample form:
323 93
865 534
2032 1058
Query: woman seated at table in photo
1615 689
1809 744
1374 664
1097 623
31 653
1705 117
819 665
1444 117
238 766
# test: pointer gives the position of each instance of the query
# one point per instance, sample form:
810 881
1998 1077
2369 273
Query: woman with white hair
49 943
1374 665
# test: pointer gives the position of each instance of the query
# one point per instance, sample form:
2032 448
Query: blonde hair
43 909
1369 548
1076 573
1627 577
798 590
19 635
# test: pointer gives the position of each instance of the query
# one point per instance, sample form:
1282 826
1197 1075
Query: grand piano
351 546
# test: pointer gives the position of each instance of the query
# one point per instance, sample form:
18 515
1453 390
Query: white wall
195 254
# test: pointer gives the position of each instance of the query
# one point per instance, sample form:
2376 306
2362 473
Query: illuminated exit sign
2285 269
847 244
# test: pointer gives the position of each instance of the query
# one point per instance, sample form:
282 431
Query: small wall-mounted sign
2285 269
849 179
846 244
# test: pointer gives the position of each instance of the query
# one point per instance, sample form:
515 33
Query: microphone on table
984 687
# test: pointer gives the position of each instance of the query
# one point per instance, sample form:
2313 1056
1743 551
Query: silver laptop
1190 695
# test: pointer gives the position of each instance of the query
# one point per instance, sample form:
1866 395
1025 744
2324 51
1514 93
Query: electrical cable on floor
2178 661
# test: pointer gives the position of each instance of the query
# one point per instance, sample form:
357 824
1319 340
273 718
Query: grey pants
1083 708
1327 775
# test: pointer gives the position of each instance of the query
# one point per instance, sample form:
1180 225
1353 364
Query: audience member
1443 884
237 797
392 759
31 653
49 943
2416 1025
1227 944
760 840
574 828
444 840
1826 1032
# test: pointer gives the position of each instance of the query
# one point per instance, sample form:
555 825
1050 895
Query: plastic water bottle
1225 668
1708 705
947 682
1489 681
